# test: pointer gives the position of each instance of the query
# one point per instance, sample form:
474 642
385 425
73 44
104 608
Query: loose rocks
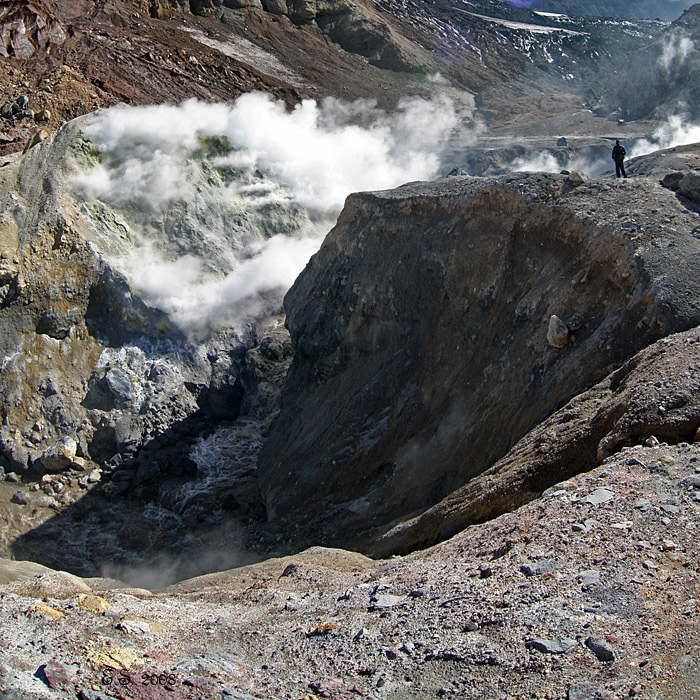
557 332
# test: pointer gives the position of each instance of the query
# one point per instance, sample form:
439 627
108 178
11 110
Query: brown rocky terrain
588 592
69 57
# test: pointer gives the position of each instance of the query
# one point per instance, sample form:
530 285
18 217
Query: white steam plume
226 202
675 132
675 51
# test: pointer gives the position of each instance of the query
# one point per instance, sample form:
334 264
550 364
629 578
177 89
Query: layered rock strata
420 333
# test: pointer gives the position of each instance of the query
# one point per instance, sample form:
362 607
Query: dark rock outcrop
420 331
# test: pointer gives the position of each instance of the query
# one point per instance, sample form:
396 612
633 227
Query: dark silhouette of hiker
618 155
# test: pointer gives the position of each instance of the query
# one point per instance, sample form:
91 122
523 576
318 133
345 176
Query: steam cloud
675 132
226 203
675 51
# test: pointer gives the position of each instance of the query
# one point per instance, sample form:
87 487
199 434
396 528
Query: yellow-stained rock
113 656
324 628
46 610
94 603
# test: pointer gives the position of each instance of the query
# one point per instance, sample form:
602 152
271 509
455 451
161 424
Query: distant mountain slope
666 10
68 57
663 77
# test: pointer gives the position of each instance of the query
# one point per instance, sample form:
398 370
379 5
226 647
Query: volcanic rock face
27 28
420 331
85 358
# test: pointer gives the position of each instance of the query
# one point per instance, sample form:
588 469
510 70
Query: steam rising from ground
226 202
677 131
676 49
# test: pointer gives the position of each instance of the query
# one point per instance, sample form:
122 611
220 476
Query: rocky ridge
588 592
421 347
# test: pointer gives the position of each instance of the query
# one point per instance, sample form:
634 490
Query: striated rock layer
421 352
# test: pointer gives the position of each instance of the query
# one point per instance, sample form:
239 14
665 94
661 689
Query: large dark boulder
420 332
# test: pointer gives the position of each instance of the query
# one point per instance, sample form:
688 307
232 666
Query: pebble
598 497
552 646
361 634
586 691
12 477
590 577
45 502
134 626
94 476
649 564
546 566
57 675
21 498
557 332
386 600
642 504
602 650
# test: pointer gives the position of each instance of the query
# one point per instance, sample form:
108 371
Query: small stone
623 526
94 476
552 646
576 177
546 566
13 477
36 138
361 634
21 498
45 502
692 482
652 441
94 603
46 611
134 626
60 455
648 564
323 628
557 332
578 527
43 115
386 600
589 577
598 497
586 691
642 504
602 650
57 675
667 545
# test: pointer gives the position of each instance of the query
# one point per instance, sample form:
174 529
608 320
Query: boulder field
441 323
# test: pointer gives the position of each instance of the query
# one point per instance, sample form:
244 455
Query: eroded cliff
421 335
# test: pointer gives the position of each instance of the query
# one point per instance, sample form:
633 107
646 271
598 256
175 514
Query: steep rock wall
420 332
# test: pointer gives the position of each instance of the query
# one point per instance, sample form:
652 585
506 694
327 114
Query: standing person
618 155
